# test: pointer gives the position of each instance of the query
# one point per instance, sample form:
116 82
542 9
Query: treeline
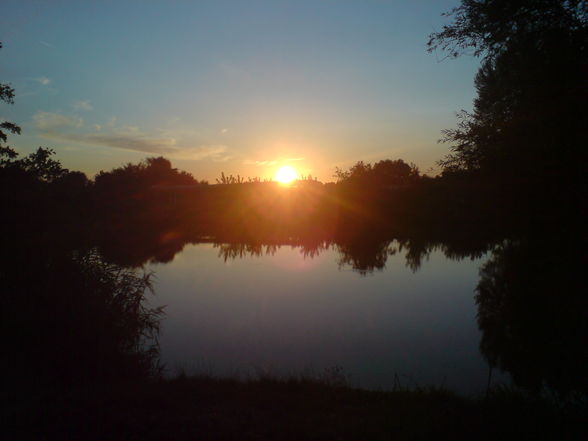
388 196
154 203
153 209
149 211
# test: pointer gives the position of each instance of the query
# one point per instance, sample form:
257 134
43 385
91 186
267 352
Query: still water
287 313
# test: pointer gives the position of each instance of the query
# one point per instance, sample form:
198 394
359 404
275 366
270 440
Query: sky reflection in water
285 313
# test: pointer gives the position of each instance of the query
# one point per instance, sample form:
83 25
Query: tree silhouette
530 116
489 27
68 318
7 95
381 174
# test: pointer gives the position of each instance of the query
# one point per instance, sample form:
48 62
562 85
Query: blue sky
234 86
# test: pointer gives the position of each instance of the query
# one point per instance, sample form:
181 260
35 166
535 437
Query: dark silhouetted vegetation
532 313
69 318
526 134
292 409
6 127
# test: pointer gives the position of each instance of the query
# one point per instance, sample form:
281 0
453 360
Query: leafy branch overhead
7 95
488 27
529 117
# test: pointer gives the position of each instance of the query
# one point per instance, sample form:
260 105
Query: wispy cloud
57 126
259 163
63 127
83 105
43 80
269 163
49 121
217 152
44 43
122 141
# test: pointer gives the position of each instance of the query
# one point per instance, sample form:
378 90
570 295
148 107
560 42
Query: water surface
283 312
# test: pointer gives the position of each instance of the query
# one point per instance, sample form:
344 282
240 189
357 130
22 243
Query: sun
286 175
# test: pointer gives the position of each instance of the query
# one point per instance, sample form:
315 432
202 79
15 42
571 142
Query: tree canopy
489 27
530 114
383 173
6 95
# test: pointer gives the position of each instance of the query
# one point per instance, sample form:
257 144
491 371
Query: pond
236 311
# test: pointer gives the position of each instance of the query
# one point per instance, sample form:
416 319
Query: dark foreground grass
204 408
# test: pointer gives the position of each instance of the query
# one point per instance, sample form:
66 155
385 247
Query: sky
243 87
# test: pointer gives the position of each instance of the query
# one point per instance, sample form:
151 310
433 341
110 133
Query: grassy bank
204 408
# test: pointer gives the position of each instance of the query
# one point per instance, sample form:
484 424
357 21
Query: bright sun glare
285 175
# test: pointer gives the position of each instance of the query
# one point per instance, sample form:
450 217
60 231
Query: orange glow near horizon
285 175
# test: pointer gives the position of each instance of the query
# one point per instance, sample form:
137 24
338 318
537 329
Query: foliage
138 191
7 154
7 95
71 318
490 27
124 295
230 179
529 119
382 173
147 174
41 165
38 165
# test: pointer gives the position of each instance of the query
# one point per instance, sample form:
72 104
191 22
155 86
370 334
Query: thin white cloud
134 130
216 152
122 141
48 121
44 43
269 163
58 126
259 163
83 105
43 80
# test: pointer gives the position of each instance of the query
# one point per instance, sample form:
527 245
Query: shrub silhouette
70 318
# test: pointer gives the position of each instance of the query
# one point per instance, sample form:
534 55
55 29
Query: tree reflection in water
530 308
